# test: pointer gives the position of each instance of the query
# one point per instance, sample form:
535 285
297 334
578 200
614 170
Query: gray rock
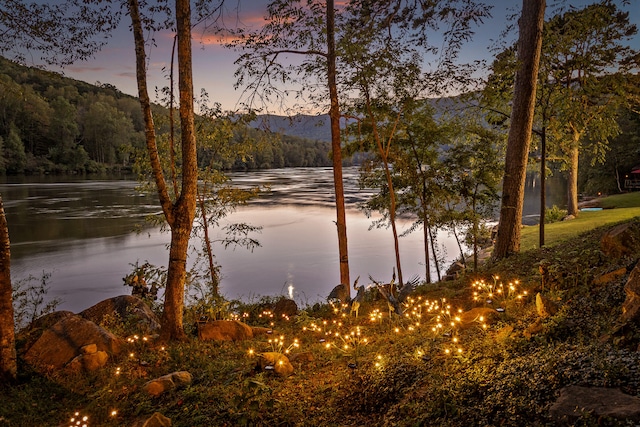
631 305
576 402
128 308
63 341
157 420
276 362
168 382
544 306
285 307
224 330
621 240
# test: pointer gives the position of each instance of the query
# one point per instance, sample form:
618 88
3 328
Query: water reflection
81 231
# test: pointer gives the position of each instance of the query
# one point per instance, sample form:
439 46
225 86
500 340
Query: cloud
127 75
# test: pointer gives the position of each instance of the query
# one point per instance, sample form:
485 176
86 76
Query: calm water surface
82 233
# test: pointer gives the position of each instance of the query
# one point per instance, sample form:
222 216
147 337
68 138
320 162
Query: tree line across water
53 124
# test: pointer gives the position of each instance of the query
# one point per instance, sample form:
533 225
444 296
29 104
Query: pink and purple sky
214 65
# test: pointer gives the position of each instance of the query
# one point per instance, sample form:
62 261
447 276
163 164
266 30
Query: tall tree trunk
543 183
426 225
336 149
185 205
572 181
8 366
384 155
524 97
180 214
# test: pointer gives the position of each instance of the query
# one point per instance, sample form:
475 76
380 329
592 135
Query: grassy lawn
618 208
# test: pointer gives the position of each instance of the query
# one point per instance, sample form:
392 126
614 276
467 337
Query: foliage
29 297
561 231
66 125
145 281
402 377
554 214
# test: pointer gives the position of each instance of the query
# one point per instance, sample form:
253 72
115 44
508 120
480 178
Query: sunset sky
214 65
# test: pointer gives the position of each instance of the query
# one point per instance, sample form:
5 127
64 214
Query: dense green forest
53 124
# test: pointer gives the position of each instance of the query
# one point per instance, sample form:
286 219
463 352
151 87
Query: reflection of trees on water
44 216
556 195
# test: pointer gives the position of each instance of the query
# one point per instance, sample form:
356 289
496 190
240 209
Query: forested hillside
53 124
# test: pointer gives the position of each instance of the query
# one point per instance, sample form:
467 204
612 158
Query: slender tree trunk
392 219
336 150
145 104
185 205
8 364
425 238
524 97
572 181
476 228
207 241
432 240
426 225
543 183
384 155
180 214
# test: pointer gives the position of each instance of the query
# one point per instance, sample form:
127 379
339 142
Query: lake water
82 233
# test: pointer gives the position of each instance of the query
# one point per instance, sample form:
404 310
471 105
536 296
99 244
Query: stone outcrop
33 332
477 316
63 341
610 277
90 359
631 306
544 306
168 382
224 330
157 420
276 362
285 308
621 240
597 403
128 308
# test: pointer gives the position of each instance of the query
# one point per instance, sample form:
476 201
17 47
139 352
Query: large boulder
129 309
597 403
63 341
276 362
224 330
631 306
30 334
285 308
621 240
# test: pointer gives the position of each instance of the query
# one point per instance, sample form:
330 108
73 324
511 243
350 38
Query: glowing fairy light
77 421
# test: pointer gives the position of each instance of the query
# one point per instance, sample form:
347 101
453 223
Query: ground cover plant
426 367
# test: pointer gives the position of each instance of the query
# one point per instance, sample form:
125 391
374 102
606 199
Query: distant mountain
304 126
318 127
